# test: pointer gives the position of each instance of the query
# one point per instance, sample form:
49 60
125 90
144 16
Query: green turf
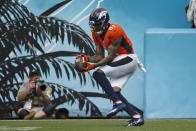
98 125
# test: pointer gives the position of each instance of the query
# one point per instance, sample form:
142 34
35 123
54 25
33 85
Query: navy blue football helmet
99 17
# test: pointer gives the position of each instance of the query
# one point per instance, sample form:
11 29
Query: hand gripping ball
79 64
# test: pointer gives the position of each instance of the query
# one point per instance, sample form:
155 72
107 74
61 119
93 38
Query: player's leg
118 80
100 77
137 119
112 69
105 84
118 84
118 68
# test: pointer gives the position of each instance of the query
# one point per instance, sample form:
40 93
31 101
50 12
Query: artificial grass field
97 125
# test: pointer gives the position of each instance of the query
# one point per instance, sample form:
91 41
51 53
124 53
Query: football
79 64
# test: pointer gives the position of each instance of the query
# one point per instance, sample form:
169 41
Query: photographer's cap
34 72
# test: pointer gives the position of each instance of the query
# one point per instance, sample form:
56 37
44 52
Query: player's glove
82 55
88 67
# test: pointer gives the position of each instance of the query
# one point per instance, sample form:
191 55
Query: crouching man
35 95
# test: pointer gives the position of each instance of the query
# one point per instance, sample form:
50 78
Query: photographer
35 95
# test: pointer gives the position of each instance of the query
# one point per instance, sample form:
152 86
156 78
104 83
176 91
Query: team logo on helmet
102 14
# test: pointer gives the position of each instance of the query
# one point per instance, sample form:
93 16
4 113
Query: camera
41 84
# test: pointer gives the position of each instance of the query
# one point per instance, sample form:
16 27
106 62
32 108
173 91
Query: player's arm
112 51
99 54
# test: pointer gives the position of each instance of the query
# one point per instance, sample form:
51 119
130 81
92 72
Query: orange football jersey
114 31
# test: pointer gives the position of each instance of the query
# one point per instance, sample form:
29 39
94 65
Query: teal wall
170 84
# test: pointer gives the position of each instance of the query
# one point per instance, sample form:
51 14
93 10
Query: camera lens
42 87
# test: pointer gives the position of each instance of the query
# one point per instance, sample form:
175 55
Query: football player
119 65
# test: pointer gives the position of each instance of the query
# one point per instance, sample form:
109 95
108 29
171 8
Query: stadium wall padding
170 84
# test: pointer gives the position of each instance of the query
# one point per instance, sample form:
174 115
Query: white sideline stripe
18 128
61 9
82 11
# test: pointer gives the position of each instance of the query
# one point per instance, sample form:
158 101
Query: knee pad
48 109
23 113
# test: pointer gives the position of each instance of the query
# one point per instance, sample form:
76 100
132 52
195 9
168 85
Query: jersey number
112 27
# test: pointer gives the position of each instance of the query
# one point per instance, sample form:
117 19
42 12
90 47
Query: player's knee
23 113
97 73
116 89
101 72
48 109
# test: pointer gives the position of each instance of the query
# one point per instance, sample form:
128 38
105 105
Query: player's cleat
116 108
29 116
136 122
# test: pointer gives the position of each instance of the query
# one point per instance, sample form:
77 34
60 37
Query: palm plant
23 34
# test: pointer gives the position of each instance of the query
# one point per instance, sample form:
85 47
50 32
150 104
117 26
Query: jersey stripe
126 46
121 62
